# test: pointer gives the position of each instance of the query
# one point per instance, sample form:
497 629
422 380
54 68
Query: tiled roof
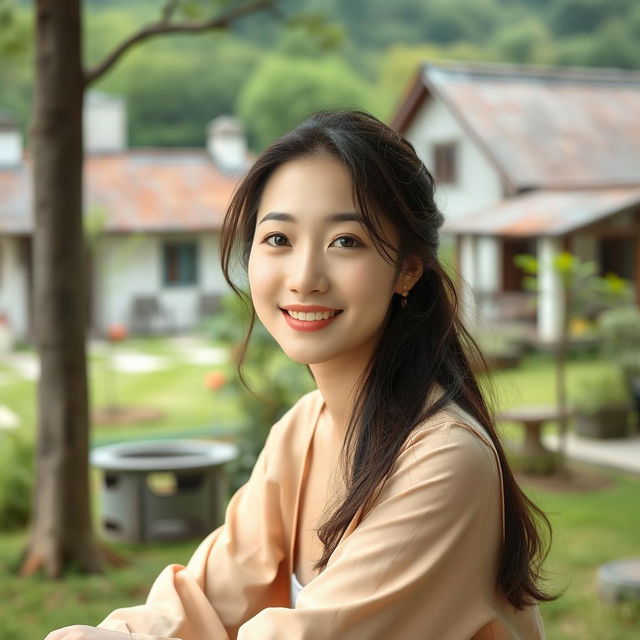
542 127
139 190
549 213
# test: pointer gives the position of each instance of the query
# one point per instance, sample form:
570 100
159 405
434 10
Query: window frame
186 263
445 162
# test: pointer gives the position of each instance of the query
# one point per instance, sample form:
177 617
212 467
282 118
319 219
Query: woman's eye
277 240
346 242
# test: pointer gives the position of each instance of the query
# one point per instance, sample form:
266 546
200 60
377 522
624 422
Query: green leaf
527 262
565 263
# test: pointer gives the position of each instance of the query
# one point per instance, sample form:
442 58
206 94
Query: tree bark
61 531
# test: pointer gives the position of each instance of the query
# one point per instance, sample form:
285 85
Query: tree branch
164 25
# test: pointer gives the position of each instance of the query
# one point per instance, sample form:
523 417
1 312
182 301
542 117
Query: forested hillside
273 69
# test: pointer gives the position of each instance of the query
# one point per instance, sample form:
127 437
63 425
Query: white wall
104 123
13 287
479 184
130 265
10 147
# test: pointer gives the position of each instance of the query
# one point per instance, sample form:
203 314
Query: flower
214 380
116 332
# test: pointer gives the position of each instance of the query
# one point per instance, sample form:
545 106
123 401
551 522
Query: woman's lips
308 325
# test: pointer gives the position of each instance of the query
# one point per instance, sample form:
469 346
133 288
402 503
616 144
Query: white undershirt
296 588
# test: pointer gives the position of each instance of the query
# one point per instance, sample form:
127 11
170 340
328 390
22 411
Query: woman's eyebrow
334 217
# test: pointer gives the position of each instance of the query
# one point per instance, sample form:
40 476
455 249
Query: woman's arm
231 576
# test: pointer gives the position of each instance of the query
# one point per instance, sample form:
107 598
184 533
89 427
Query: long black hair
423 346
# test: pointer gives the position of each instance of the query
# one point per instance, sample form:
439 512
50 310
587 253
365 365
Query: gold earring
405 294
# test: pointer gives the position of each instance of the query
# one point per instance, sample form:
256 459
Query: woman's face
317 281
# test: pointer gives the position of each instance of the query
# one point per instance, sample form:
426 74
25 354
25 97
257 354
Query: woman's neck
338 384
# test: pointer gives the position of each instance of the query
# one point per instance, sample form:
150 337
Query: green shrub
620 329
16 481
596 393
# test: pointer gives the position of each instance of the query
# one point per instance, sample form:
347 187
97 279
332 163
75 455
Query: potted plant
601 406
620 330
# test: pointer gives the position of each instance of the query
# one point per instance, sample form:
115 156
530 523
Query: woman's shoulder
456 421
457 438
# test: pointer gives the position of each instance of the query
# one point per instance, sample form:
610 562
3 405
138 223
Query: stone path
618 453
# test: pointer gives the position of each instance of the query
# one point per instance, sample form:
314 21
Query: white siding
13 287
10 147
129 266
104 123
479 184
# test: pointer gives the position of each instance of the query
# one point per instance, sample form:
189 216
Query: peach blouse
420 565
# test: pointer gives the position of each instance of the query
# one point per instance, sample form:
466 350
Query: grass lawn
590 527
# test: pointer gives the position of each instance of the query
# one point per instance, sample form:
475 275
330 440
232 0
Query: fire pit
162 489
619 581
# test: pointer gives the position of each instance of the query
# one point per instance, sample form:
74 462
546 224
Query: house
153 218
529 160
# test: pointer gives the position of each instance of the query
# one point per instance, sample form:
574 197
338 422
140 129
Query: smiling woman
382 505
318 257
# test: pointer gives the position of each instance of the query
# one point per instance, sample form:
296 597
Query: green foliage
175 85
16 481
588 293
311 34
620 329
580 16
16 51
592 394
14 31
525 41
171 98
379 23
282 92
275 382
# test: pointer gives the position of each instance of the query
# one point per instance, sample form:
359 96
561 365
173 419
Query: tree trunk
61 530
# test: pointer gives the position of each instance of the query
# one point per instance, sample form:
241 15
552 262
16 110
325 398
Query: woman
382 505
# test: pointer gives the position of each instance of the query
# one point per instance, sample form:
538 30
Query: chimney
227 144
105 123
10 143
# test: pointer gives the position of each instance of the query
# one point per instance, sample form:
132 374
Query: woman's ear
412 269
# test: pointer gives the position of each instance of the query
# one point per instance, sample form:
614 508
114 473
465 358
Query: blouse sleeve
421 565
233 574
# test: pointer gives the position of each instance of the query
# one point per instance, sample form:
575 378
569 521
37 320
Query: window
618 255
444 161
180 263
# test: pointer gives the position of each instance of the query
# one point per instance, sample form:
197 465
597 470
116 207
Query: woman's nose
307 272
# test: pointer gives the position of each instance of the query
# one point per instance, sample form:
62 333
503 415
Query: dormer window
445 162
